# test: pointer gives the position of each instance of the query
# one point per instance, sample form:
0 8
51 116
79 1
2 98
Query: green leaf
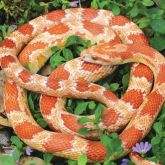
98 114
67 53
158 25
155 140
27 66
16 141
94 4
72 162
6 160
56 59
148 2
158 42
115 9
158 127
162 4
107 143
42 122
143 22
113 145
31 103
47 158
84 120
114 86
134 11
16 154
82 160
92 105
83 131
54 49
72 40
125 80
80 108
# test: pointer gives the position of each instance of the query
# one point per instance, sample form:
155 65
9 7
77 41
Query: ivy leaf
114 86
134 11
6 160
147 2
47 158
16 141
72 162
125 80
158 42
115 9
16 154
155 140
56 59
162 4
84 120
80 108
98 114
91 105
72 40
1 39
158 25
42 122
143 22
27 66
67 53
94 4
83 131
54 49
82 160
112 144
31 103
158 127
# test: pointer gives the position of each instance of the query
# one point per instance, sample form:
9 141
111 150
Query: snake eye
94 58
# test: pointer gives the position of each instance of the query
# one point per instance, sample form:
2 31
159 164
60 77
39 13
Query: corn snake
50 85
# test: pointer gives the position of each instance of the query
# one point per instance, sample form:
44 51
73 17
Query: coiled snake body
68 80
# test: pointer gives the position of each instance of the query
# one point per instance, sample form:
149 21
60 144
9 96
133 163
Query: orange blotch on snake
109 117
55 16
109 95
119 20
134 48
25 75
26 29
31 130
58 142
89 14
96 151
134 97
90 67
154 101
93 28
28 50
11 95
94 88
160 78
143 71
60 73
82 86
8 43
45 107
138 38
130 137
59 29
51 83
71 122
6 60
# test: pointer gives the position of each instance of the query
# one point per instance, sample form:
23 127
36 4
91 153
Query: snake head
104 54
